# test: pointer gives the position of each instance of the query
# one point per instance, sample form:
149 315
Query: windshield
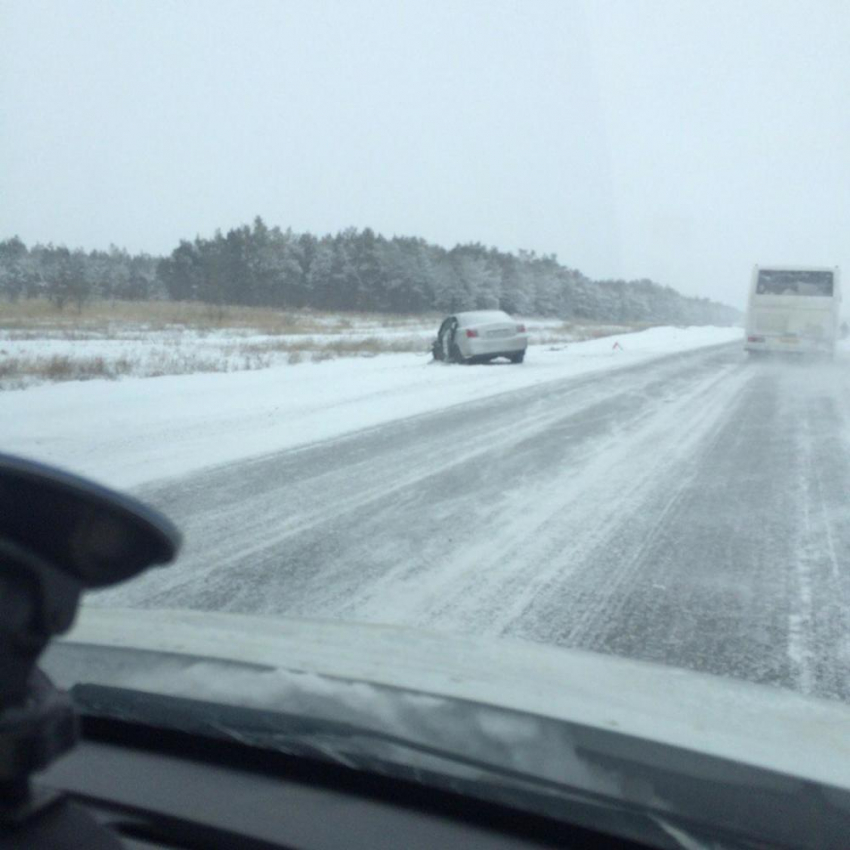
244 251
482 318
781 282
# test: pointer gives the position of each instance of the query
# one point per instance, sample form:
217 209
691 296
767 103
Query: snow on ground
50 352
136 430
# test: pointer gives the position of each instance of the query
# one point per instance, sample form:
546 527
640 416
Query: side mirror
86 532
59 536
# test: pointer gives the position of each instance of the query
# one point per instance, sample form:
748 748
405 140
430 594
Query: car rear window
482 317
788 282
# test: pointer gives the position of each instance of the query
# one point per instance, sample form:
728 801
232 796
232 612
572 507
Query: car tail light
755 339
471 333
520 329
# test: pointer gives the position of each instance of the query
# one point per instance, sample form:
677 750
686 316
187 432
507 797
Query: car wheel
454 354
517 358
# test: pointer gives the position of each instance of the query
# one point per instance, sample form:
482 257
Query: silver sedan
480 336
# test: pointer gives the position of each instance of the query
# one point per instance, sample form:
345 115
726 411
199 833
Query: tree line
352 270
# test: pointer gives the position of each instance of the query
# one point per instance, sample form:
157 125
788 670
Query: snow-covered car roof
482 317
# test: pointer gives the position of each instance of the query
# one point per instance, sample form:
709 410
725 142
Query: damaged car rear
479 337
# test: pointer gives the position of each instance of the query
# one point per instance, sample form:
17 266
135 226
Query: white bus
793 308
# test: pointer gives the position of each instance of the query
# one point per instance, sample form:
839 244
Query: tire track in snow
265 522
573 515
604 568
690 511
819 630
743 571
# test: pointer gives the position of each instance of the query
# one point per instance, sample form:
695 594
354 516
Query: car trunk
496 330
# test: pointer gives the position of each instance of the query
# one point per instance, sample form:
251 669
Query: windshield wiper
271 730
372 750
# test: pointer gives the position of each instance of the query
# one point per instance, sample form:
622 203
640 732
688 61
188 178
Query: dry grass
580 331
155 338
342 347
20 371
179 351
30 318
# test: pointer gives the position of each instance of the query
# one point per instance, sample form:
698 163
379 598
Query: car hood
270 661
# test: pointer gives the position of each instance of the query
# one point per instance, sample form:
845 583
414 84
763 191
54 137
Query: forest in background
353 270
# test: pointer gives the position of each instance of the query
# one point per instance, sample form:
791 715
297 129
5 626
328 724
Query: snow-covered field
682 508
45 349
656 495
136 430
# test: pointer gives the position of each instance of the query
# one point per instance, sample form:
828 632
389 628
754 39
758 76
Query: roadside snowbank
52 353
129 432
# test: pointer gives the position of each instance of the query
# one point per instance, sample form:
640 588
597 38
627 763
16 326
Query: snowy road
690 510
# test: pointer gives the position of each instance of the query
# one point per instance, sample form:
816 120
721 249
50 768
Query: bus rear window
786 282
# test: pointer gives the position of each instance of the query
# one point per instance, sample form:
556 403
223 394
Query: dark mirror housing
88 532
60 535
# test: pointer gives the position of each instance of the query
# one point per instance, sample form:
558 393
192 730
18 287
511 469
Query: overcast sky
682 141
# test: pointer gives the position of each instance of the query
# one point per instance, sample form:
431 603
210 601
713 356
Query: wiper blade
275 730
372 750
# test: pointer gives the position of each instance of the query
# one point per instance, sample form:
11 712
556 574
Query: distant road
692 510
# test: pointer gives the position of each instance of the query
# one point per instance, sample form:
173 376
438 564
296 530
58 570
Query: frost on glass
786 282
